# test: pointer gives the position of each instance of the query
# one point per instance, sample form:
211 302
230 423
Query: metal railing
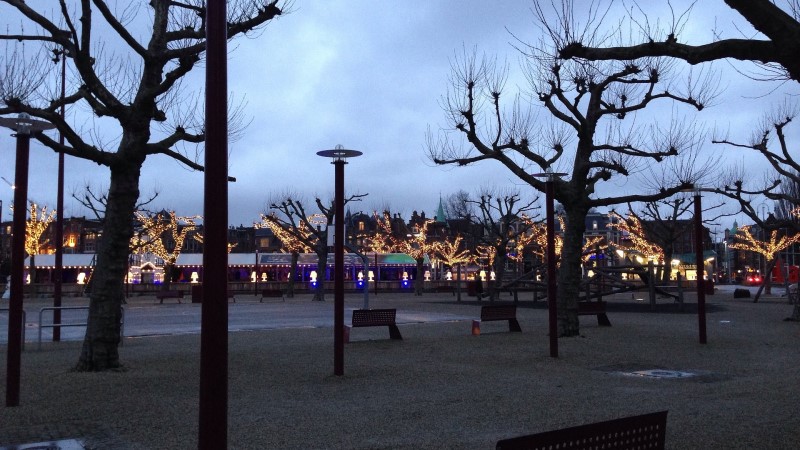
23 324
75 324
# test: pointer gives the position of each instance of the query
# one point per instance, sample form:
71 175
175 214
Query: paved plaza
440 387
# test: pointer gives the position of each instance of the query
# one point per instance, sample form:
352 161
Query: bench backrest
636 432
371 317
498 312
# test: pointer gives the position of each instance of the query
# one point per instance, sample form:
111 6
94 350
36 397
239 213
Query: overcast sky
368 75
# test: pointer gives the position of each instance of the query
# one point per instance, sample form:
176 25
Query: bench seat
377 318
161 295
272 293
635 432
589 308
501 312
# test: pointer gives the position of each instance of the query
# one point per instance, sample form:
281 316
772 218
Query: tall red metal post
552 288
701 292
17 279
339 154
24 126
213 423
58 273
338 271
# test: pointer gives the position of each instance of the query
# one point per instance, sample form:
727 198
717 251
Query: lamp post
213 402
24 126
59 262
339 155
698 242
552 288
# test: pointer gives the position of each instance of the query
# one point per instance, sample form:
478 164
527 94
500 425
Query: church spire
440 216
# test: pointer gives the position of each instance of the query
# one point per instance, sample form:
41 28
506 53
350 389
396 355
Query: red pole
552 288
17 279
59 270
338 271
701 292
213 424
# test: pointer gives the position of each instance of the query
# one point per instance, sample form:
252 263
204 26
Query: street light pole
701 292
552 286
24 126
339 154
213 404
59 263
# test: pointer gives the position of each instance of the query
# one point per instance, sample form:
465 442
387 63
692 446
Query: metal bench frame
161 295
590 308
377 318
501 312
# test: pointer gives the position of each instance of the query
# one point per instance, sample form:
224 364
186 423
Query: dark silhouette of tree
310 230
586 134
504 219
777 50
136 94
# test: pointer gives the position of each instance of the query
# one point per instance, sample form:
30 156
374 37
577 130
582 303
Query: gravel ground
440 387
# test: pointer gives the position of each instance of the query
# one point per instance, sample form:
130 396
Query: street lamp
699 262
552 289
24 126
339 155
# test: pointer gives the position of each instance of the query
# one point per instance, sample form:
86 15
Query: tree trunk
794 297
499 271
292 275
419 282
100 344
322 269
168 270
569 274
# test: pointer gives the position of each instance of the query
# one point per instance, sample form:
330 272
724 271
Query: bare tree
504 218
587 135
309 229
139 108
776 50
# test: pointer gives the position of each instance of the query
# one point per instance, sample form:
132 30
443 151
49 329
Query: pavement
440 387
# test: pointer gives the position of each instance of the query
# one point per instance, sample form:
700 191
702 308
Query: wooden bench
501 312
272 293
377 318
161 295
635 432
440 289
589 308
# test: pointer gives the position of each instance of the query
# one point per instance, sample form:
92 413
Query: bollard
476 327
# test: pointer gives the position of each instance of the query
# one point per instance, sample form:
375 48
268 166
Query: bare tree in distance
309 229
584 132
138 105
504 218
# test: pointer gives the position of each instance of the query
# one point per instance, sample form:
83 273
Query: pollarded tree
588 136
452 252
503 218
163 235
293 241
776 50
134 93
417 245
777 243
309 229
35 226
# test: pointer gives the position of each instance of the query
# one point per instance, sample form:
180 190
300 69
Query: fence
74 324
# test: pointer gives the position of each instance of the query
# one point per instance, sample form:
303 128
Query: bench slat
635 432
